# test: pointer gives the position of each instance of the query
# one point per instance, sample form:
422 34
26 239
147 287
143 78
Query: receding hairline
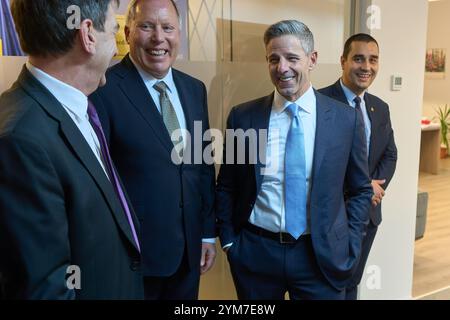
361 41
359 37
132 6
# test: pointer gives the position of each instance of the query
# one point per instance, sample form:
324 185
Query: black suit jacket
382 149
173 202
57 207
336 229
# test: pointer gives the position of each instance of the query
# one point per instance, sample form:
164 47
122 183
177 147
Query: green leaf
443 115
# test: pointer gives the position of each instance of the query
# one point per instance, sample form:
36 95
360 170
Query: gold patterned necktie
168 112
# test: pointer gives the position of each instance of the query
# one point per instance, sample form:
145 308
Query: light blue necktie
295 176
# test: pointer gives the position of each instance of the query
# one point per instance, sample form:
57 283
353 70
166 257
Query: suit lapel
260 120
134 88
324 132
78 145
338 92
186 104
90 162
370 108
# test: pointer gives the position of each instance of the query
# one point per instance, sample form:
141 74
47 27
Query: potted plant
443 115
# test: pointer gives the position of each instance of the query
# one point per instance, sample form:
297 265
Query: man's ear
127 33
313 60
342 62
87 36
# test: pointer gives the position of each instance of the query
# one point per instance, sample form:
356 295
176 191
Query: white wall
436 91
9 70
402 40
326 18
123 6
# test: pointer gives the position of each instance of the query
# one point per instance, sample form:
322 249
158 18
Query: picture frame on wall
435 63
122 46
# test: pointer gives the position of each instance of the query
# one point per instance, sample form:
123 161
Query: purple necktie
96 125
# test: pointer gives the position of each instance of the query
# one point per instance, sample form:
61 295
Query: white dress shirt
269 209
367 124
75 103
174 98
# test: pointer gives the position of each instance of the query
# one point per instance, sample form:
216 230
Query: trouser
263 269
351 292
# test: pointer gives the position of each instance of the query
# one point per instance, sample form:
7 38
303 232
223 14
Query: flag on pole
9 42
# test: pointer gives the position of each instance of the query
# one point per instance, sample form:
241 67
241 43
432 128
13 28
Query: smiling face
289 66
154 36
360 67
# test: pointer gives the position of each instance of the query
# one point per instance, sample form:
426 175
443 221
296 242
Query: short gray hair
291 27
131 11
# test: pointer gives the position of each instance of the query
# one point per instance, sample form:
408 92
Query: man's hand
208 257
378 192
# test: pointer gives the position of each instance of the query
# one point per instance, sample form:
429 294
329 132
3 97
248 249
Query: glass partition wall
226 51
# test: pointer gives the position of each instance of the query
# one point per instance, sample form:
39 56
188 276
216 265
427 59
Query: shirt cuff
227 245
209 240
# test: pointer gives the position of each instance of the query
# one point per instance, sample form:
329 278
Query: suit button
135 265
181 205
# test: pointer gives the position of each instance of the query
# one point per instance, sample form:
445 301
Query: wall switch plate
396 82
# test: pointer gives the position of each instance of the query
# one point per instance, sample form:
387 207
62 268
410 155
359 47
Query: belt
281 237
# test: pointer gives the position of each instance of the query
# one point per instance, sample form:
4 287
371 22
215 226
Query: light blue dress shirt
75 103
269 209
172 92
367 125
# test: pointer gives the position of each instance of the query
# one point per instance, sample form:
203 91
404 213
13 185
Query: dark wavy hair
42 24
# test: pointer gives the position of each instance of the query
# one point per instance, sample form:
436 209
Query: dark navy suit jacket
336 229
173 202
382 150
57 206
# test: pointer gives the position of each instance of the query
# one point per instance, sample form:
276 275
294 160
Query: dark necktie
96 125
357 101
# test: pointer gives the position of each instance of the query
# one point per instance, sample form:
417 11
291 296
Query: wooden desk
430 146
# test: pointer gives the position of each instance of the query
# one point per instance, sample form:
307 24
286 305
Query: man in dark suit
66 229
359 68
145 103
285 226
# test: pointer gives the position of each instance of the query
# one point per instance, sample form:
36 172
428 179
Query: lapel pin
372 109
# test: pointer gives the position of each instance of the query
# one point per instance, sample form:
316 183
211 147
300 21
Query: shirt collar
150 80
71 98
306 101
349 94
